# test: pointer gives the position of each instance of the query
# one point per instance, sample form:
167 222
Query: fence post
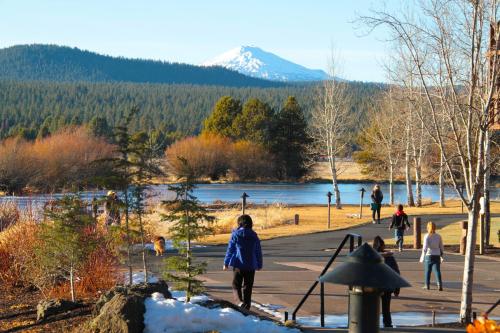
463 239
296 220
417 233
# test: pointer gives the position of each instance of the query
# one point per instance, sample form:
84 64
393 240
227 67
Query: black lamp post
244 197
362 193
329 195
367 275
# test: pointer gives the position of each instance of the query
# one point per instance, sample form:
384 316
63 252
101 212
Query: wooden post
463 239
296 219
417 233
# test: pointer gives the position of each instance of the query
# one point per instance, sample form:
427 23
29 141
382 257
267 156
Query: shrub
9 214
16 165
62 160
17 255
250 161
205 156
65 158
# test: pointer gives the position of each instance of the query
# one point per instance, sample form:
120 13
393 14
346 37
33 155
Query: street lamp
362 193
244 197
367 276
329 195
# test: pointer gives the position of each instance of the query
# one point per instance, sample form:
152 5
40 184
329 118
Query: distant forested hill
31 105
65 64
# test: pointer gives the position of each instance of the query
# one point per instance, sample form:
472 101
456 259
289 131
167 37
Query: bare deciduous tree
329 128
447 43
385 133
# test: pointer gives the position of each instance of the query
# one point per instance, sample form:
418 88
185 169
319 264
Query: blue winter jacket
244 251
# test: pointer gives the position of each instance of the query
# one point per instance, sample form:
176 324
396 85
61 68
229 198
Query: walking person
377 197
432 256
389 260
112 209
400 224
244 255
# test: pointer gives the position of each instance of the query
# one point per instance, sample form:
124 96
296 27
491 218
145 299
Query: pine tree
189 222
120 174
290 139
99 127
64 247
222 117
255 122
144 169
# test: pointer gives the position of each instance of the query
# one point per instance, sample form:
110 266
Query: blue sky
194 30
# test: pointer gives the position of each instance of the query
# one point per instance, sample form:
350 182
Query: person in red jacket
244 255
400 224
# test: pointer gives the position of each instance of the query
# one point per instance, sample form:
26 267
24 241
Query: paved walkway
291 264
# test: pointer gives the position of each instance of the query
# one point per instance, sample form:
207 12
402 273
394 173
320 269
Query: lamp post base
364 310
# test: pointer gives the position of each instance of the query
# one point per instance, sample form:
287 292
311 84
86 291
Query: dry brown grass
452 233
350 170
278 220
314 219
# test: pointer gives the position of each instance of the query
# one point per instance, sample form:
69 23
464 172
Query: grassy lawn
452 233
275 221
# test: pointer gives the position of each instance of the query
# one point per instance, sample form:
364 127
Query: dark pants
376 210
242 286
399 235
432 263
386 309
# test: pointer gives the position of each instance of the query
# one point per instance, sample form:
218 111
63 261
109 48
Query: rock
122 314
146 289
46 308
121 309
142 290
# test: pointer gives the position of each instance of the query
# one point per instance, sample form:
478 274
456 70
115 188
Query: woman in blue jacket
244 255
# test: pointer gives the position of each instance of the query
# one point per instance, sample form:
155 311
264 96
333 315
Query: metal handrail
351 238
492 307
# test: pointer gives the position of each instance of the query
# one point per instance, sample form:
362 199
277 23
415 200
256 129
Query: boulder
46 308
143 290
122 314
121 309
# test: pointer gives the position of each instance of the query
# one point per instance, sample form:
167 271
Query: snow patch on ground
272 309
173 316
181 297
139 278
398 319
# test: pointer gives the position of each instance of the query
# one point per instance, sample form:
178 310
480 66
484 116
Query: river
289 193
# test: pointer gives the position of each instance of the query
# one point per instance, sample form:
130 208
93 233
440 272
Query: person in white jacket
432 255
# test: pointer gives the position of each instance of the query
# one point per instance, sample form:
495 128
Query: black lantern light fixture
362 194
368 276
329 196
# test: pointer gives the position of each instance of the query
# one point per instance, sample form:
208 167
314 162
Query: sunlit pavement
292 264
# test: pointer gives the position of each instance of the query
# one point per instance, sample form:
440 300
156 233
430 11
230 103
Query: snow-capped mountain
253 61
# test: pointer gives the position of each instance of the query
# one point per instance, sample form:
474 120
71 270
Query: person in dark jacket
244 255
389 260
377 197
400 224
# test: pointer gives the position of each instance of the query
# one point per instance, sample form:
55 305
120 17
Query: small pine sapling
64 246
190 222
